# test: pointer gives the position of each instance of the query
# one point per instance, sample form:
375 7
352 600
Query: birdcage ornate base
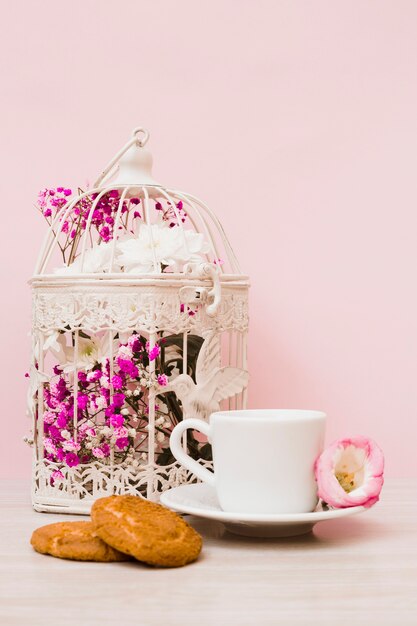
84 484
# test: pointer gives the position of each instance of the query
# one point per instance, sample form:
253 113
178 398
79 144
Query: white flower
66 434
52 342
155 245
90 351
158 245
124 351
101 402
160 437
96 259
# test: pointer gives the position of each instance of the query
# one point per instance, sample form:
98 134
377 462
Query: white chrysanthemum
158 245
90 351
96 259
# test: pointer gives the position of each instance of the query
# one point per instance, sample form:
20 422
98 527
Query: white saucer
200 500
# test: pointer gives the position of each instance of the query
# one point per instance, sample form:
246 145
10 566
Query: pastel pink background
297 123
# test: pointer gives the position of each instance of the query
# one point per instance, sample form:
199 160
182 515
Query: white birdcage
144 324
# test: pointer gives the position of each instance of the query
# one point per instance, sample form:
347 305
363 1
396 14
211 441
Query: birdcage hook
142 136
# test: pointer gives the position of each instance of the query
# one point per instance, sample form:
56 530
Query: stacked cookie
122 528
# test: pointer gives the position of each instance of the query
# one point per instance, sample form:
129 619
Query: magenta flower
153 352
134 343
109 410
122 443
61 421
127 366
82 401
71 459
116 420
117 382
162 380
118 400
98 453
106 449
350 473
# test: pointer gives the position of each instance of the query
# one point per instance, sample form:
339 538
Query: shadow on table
335 532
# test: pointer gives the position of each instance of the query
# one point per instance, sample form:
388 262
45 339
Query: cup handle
176 448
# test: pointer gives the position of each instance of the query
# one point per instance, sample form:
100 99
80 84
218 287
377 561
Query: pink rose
350 473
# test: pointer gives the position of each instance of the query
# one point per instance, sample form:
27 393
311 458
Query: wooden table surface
358 570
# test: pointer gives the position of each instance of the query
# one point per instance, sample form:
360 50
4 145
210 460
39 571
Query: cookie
74 540
145 530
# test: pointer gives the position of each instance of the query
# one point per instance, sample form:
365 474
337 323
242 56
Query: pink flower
71 445
120 432
350 473
98 453
49 446
106 449
49 417
56 477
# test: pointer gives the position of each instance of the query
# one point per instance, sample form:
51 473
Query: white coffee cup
263 458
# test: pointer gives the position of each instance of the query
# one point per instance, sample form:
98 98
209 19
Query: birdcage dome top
129 227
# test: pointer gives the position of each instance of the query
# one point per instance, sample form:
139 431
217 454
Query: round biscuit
74 540
147 531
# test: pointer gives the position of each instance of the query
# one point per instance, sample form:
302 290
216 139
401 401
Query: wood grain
359 570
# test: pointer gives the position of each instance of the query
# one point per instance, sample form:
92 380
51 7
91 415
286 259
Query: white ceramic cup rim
269 415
